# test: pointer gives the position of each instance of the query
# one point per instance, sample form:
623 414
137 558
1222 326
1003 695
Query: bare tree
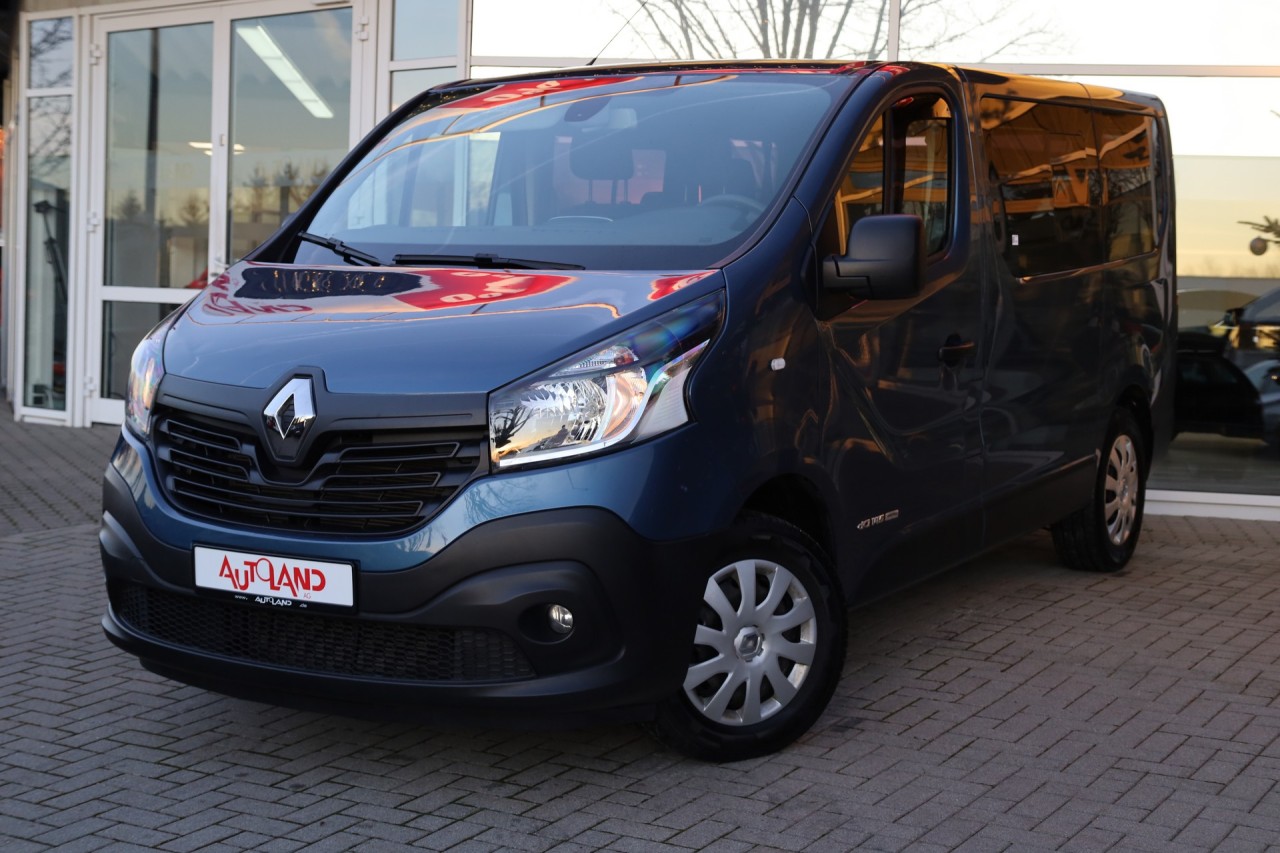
254 204
130 208
507 423
49 151
1269 227
813 29
50 66
50 53
195 210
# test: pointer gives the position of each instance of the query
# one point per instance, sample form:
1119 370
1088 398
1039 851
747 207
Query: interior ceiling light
207 147
261 42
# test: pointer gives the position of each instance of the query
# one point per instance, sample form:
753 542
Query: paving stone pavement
1006 705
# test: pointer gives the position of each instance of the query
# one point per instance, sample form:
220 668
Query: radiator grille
363 482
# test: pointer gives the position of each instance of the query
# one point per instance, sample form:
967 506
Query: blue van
604 392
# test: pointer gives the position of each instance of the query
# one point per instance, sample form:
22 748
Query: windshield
648 171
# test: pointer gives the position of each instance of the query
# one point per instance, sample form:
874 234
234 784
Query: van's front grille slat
363 482
321 643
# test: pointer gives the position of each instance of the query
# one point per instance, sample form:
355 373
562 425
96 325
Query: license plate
272 579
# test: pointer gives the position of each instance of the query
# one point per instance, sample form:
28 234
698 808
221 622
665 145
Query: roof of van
995 82
812 66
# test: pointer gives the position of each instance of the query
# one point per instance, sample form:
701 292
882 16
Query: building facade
149 144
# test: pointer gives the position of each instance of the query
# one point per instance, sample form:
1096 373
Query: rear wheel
767 650
1101 536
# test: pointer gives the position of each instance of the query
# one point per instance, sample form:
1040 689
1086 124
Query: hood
399 330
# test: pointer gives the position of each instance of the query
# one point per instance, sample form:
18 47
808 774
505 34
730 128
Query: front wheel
767 650
1101 536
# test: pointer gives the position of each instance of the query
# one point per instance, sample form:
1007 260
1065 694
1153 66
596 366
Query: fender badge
877 519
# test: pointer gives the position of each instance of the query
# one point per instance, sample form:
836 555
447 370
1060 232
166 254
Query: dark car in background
1253 328
604 392
1229 373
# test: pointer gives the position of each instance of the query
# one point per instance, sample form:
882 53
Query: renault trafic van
604 392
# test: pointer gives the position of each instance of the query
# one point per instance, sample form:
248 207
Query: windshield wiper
350 254
482 261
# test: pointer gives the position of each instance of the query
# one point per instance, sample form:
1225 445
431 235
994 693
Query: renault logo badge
292 410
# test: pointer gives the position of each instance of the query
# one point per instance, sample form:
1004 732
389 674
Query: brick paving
1007 705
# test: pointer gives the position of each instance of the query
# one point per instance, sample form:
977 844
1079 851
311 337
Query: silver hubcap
1120 490
754 643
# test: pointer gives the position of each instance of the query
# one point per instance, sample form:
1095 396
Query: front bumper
461 633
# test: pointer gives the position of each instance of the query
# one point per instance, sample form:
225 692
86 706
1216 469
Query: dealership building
148 145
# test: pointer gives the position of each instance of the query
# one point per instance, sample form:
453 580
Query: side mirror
885 259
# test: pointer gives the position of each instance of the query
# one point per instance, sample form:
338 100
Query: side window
1043 165
1125 150
926 178
861 192
902 165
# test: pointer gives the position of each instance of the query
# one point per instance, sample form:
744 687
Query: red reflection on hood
443 288
222 304
670 284
508 92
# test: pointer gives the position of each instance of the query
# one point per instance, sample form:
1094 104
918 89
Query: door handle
955 351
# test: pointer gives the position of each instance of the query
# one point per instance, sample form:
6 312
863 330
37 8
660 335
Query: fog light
561 618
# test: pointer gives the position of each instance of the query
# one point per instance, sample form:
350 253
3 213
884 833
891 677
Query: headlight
145 372
628 389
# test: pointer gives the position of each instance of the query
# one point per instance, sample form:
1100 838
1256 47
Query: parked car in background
1227 373
1252 330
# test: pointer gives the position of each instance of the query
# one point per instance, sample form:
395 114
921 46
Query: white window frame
459 62
16 249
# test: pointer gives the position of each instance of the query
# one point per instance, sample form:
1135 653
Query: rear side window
1043 165
902 165
1126 151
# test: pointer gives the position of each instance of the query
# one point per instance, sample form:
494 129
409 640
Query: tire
759 676
1101 536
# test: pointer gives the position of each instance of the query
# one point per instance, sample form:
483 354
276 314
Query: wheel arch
1133 399
797 501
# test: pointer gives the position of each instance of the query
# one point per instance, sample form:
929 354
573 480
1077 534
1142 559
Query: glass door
156 185
210 128
290 116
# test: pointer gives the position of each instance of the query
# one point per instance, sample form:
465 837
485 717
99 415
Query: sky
1215 115
1225 129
